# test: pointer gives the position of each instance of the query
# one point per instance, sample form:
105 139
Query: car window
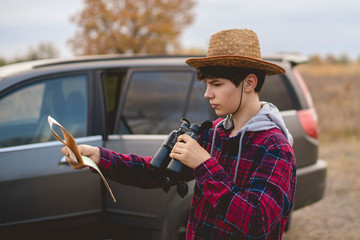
277 90
24 111
154 101
198 109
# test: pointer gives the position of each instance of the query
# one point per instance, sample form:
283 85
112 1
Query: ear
250 82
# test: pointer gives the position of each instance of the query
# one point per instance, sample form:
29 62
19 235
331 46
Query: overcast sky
305 26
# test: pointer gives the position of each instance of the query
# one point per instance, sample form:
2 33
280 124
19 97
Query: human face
223 95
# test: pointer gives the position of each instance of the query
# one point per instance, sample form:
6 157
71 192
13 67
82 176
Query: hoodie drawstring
239 154
214 135
239 150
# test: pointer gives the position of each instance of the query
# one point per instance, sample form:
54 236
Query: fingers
184 142
85 150
91 152
64 152
185 138
189 152
72 163
180 150
177 153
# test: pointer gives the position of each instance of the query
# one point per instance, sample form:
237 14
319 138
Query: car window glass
113 82
154 101
24 111
277 92
199 109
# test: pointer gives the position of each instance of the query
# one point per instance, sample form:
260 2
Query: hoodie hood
267 118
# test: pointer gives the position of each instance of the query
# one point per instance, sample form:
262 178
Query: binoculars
174 171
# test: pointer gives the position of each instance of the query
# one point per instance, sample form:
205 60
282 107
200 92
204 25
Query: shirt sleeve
129 169
257 208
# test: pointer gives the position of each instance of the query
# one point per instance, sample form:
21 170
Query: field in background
336 216
335 91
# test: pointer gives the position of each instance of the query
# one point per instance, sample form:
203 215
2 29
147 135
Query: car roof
131 60
292 58
125 60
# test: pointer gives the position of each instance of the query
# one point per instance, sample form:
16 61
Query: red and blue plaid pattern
255 206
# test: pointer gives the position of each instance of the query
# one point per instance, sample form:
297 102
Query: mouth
214 105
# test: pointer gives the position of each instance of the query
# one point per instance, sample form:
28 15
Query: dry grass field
335 93
335 90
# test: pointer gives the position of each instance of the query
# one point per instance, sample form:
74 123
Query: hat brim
236 61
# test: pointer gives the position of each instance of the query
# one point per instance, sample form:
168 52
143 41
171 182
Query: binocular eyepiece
173 169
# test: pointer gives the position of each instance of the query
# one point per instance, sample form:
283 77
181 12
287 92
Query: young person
244 165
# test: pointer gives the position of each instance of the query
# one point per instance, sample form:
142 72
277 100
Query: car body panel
35 186
311 183
301 141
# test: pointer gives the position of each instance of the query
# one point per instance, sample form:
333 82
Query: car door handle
63 162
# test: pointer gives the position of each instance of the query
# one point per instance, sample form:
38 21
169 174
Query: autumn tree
315 59
130 26
344 59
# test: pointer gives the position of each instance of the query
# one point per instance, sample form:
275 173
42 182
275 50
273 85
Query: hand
189 152
85 150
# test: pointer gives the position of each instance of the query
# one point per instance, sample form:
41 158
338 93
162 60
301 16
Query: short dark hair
234 74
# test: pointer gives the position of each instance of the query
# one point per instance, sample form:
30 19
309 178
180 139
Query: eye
214 83
217 83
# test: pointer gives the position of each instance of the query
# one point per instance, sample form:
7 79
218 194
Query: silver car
128 104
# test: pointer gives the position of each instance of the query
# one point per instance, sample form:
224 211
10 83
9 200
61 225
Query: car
129 104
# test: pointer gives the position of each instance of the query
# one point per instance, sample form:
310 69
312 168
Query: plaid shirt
256 206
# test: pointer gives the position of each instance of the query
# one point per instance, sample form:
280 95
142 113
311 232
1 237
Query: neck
250 107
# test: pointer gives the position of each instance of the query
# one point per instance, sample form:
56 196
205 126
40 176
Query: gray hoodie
268 117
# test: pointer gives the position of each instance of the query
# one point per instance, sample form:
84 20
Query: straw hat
235 48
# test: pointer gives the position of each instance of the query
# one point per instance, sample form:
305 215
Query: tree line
332 59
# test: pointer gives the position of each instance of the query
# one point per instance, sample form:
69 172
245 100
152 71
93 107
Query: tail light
308 117
308 120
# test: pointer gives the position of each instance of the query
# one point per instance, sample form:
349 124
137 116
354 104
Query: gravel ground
337 215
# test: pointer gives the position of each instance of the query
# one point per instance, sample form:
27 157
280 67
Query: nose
208 94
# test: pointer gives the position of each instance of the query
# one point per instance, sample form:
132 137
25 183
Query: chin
221 114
